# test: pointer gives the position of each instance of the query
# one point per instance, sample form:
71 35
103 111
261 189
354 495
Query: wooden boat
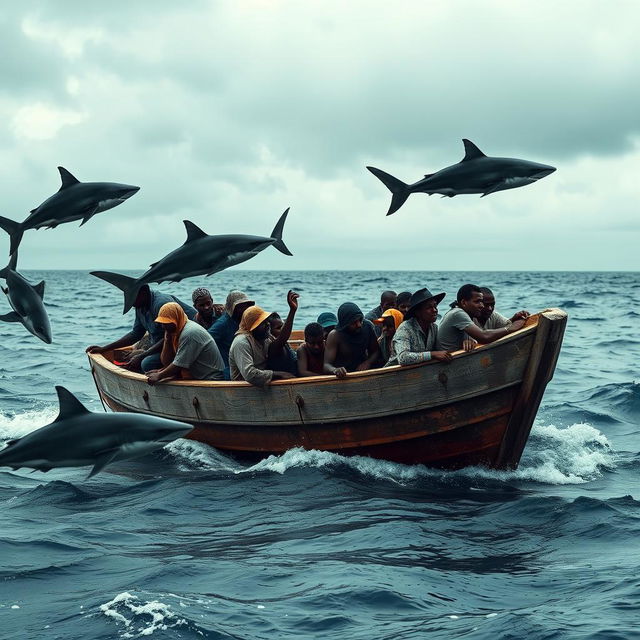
476 410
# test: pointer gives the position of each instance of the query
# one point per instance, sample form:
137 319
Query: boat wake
571 455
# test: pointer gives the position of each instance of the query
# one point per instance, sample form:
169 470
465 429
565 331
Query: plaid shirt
411 344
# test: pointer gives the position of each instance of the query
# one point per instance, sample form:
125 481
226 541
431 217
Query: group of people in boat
242 341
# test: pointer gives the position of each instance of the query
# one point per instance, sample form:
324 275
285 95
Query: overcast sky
226 113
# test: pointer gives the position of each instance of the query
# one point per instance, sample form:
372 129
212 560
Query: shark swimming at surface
475 173
201 254
74 200
79 437
26 300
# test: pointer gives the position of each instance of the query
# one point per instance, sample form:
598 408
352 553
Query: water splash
140 618
20 424
571 455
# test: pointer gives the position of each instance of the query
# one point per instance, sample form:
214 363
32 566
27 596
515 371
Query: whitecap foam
572 455
191 455
140 618
20 424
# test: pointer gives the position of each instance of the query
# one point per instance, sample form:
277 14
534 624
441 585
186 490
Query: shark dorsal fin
194 232
68 180
70 406
39 289
471 152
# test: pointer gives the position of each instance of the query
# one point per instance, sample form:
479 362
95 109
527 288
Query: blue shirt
223 331
145 318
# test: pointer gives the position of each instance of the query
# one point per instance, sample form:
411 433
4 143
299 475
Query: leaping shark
201 254
74 200
26 301
78 437
475 173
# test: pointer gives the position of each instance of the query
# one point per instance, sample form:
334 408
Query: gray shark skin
79 438
475 173
26 300
201 254
75 200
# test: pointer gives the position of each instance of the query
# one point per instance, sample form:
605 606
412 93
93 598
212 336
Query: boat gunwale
531 327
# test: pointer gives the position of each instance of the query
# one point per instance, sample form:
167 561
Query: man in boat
489 318
328 321
147 306
387 301
208 312
390 320
311 351
282 358
415 339
458 323
188 351
403 302
224 329
251 346
352 345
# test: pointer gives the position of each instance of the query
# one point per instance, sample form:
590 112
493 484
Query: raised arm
277 346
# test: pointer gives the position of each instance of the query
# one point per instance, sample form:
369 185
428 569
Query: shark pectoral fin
12 316
68 180
39 289
102 461
493 188
89 215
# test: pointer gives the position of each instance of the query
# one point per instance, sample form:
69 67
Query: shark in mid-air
201 254
74 200
26 300
475 173
79 437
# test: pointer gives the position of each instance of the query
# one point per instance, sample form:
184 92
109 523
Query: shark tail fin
15 231
129 286
400 191
13 263
277 235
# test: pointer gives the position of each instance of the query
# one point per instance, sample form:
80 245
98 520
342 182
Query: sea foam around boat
570 455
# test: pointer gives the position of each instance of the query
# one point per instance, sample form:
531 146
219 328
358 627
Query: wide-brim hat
242 299
420 296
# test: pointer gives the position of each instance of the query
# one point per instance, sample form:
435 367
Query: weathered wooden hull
478 409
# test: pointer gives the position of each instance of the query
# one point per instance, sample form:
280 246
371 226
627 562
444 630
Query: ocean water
188 543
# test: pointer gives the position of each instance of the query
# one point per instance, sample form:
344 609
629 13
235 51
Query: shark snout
130 191
543 171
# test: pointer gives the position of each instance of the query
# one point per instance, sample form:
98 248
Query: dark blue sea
189 543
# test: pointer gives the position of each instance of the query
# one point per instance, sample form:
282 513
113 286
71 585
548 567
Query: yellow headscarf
172 313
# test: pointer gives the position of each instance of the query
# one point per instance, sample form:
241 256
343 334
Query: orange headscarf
251 318
173 313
